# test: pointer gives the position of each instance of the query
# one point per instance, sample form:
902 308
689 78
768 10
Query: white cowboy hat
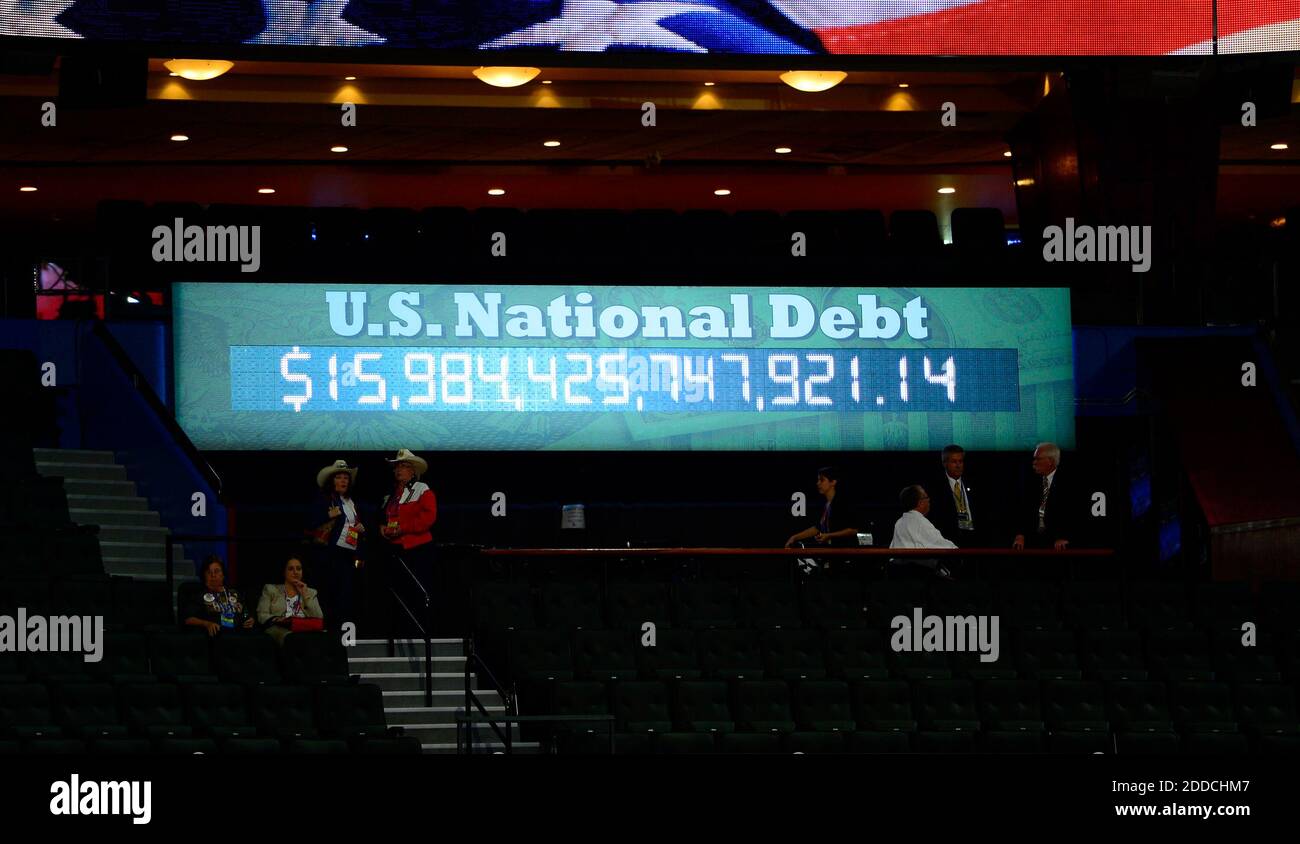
328 473
404 455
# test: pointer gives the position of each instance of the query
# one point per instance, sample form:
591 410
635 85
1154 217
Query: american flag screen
755 27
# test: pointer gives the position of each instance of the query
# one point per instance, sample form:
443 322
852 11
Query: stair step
378 648
133 549
83 471
115 489
151 535
109 503
73 455
143 569
447 681
106 518
530 748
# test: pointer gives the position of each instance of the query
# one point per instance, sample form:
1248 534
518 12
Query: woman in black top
214 607
340 537
838 522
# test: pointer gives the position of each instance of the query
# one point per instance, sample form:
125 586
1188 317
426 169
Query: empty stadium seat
125 659
856 655
351 711
1074 706
507 606
942 705
1159 606
1029 606
1177 655
1113 655
248 658
770 605
833 605
26 712
571 606
702 706
978 229
606 654
1138 707
181 657
1265 708
794 654
541 655
1048 655
218 710
88 711
914 233
707 604
1234 662
763 706
154 710
630 605
1090 605
883 705
684 743
314 658
1011 706
1202 707
641 707
824 706
672 657
283 711
730 654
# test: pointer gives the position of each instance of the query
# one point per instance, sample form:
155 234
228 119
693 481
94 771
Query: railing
424 629
472 702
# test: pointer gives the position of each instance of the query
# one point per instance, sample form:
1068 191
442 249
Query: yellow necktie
959 498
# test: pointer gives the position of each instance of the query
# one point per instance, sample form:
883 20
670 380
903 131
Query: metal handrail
424 631
472 700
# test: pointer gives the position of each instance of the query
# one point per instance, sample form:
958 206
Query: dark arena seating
741 378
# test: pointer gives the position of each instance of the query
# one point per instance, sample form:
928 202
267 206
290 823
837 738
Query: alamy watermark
205 244
23 633
125 797
946 634
1116 244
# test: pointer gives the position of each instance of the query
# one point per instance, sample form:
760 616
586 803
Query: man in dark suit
951 510
1049 518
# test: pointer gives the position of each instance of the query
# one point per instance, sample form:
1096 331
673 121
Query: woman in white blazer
281 603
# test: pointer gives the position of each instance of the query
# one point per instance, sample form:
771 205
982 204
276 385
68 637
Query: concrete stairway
132 538
401 677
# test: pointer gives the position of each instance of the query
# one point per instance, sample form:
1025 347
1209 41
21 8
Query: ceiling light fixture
198 69
783 150
266 190
1006 154
349 79
1278 146
27 189
813 80
722 192
550 143
338 149
180 138
496 191
947 190
506 77
904 85
709 84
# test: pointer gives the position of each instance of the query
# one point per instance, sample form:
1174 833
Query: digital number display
305 379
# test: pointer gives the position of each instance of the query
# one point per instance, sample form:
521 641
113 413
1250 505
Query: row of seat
369 746
213 711
869 654
33 502
248 658
930 705
54 549
987 742
839 604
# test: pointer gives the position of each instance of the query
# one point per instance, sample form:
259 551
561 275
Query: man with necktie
1048 518
951 509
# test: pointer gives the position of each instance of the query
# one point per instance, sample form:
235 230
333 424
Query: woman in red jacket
408 516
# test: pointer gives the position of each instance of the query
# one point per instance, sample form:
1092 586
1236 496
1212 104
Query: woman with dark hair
340 539
214 607
284 606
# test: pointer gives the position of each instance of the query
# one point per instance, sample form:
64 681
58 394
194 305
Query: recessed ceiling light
813 80
266 190
550 143
546 82
180 137
173 74
506 77
709 84
1278 146
496 192
1006 154
349 79
904 85
1024 183
783 150
947 190
722 192
338 149
27 189
1277 222
198 69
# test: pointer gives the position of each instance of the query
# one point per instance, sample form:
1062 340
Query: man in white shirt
914 530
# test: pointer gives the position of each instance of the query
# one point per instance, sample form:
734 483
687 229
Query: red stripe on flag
1039 27
1239 15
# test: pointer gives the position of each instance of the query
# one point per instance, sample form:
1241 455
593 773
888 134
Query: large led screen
500 367
756 27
